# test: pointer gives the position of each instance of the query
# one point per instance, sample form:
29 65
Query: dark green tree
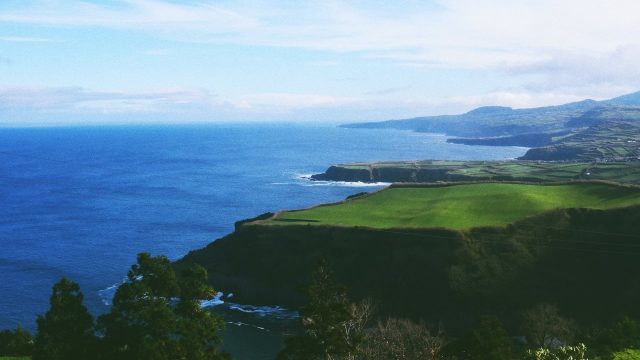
197 327
325 320
487 341
624 334
155 316
66 331
545 327
18 342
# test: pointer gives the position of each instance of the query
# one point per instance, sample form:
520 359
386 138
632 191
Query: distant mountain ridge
493 121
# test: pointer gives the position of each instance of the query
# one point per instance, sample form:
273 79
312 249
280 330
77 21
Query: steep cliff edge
584 260
429 171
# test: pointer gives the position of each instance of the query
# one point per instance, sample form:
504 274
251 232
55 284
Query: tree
327 319
624 334
577 352
66 331
155 316
18 342
197 328
544 327
402 340
627 354
487 341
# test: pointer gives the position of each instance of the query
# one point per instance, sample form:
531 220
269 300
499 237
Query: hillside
585 259
496 121
604 140
457 171
588 130
459 206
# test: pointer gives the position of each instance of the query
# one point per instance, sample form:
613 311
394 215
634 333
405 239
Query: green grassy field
461 206
452 171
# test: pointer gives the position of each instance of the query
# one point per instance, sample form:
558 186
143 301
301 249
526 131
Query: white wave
346 183
217 300
264 310
275 311
107 294
307 181
240 323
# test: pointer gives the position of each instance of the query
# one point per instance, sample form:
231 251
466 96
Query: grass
461 206
14 358
620 171
609 140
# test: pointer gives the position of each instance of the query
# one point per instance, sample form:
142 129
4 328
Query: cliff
584 260
525 140
624 170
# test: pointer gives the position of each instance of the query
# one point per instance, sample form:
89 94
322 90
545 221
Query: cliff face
553 153
386 174
525 140
408 174
340 173
586 261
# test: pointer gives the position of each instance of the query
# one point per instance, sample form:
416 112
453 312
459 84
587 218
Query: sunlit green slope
461 206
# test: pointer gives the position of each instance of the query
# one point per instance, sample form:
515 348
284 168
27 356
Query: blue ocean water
81 202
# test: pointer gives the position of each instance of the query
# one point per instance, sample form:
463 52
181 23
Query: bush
628 354
18 342
401 339
577 352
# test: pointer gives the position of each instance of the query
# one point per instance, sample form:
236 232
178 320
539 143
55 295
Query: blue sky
138 61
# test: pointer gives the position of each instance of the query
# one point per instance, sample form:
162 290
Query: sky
149 61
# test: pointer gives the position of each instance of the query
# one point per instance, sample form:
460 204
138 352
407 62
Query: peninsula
447 253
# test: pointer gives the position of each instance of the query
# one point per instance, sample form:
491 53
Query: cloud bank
554 51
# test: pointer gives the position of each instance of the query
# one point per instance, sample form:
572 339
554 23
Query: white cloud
77 99
560 50
78 105
287 102
465 32
196 103
156 52
597 74
24 39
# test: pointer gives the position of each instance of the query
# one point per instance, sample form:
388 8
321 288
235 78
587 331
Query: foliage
544 327
401 339
197 327
332 327
577 352
66 331
624 334
18 342
487 341
627 354
155 316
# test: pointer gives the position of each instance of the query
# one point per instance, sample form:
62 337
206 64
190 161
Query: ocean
81 202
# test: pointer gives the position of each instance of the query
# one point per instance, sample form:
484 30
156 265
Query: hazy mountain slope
504 121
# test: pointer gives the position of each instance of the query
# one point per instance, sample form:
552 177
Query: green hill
605 140
505 121
490 120
585 259
587 130
461 206
429 171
